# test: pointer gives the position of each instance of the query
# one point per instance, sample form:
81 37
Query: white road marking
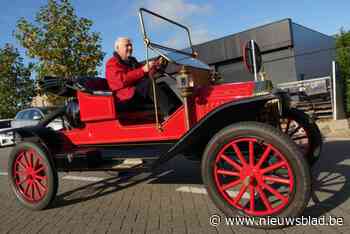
79 178
345 162
201 190
191 189
69 177
83 178
336 139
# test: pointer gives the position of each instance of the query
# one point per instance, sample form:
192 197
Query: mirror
37 117
252 57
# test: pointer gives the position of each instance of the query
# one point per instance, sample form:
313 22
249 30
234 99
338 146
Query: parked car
5 123
32 116
24 118
6 138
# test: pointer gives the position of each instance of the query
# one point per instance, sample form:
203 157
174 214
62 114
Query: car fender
54 141
200 134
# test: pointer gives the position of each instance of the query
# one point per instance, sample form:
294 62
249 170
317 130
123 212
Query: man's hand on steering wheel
159 66
148 67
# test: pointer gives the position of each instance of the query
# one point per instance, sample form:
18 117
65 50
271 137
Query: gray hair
120 39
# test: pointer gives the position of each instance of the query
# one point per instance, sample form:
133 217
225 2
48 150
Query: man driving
129 80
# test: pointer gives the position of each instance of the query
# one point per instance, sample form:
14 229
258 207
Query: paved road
171 202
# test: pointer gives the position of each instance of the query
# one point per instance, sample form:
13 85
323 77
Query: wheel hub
251 176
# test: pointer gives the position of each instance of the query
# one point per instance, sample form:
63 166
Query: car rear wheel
32 175
304 132
251 169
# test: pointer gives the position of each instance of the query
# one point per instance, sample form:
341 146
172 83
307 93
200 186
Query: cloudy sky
207 19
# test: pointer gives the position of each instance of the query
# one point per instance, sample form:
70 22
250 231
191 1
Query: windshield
169 38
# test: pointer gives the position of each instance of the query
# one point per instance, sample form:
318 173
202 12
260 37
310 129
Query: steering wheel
160 66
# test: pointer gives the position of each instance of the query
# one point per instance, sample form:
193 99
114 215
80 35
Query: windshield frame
154 46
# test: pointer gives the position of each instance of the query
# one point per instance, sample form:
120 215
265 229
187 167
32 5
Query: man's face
125 49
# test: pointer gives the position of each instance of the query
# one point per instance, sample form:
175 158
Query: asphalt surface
173 201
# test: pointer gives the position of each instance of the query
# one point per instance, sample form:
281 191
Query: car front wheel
254 170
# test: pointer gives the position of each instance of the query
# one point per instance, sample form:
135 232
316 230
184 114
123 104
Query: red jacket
121 78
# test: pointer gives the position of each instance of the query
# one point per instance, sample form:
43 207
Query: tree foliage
61 42
343 61
16 87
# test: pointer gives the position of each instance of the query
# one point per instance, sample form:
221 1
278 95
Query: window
27 115
20 115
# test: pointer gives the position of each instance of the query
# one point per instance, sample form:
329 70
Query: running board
141 156
135 164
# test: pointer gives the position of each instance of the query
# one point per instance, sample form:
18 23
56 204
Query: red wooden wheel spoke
37 189
21 182
295 131
231 162
275 192
21 164
27 188
264 198
251 153
20 173
39 170
40 177
239 154
231 184
277 179
252 198
26 160
37 163
240 194
42 187
272 167
264 156
225 172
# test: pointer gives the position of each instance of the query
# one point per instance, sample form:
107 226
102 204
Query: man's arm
118 78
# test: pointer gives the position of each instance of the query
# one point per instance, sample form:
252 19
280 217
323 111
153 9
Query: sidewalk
334 128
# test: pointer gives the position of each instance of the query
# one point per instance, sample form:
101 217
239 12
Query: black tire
43 190
298 197
313 134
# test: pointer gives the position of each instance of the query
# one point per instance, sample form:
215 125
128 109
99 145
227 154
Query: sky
207 19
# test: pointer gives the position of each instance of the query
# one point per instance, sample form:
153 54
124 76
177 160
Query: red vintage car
255 150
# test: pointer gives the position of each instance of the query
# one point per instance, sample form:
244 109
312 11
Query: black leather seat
93 84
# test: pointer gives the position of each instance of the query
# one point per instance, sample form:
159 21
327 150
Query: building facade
290 52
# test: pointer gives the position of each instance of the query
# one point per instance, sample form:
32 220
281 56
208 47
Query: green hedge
343 61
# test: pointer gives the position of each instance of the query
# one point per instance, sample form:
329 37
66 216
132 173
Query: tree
61 42
343 61
16 86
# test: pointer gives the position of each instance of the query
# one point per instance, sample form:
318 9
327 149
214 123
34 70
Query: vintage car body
247 137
